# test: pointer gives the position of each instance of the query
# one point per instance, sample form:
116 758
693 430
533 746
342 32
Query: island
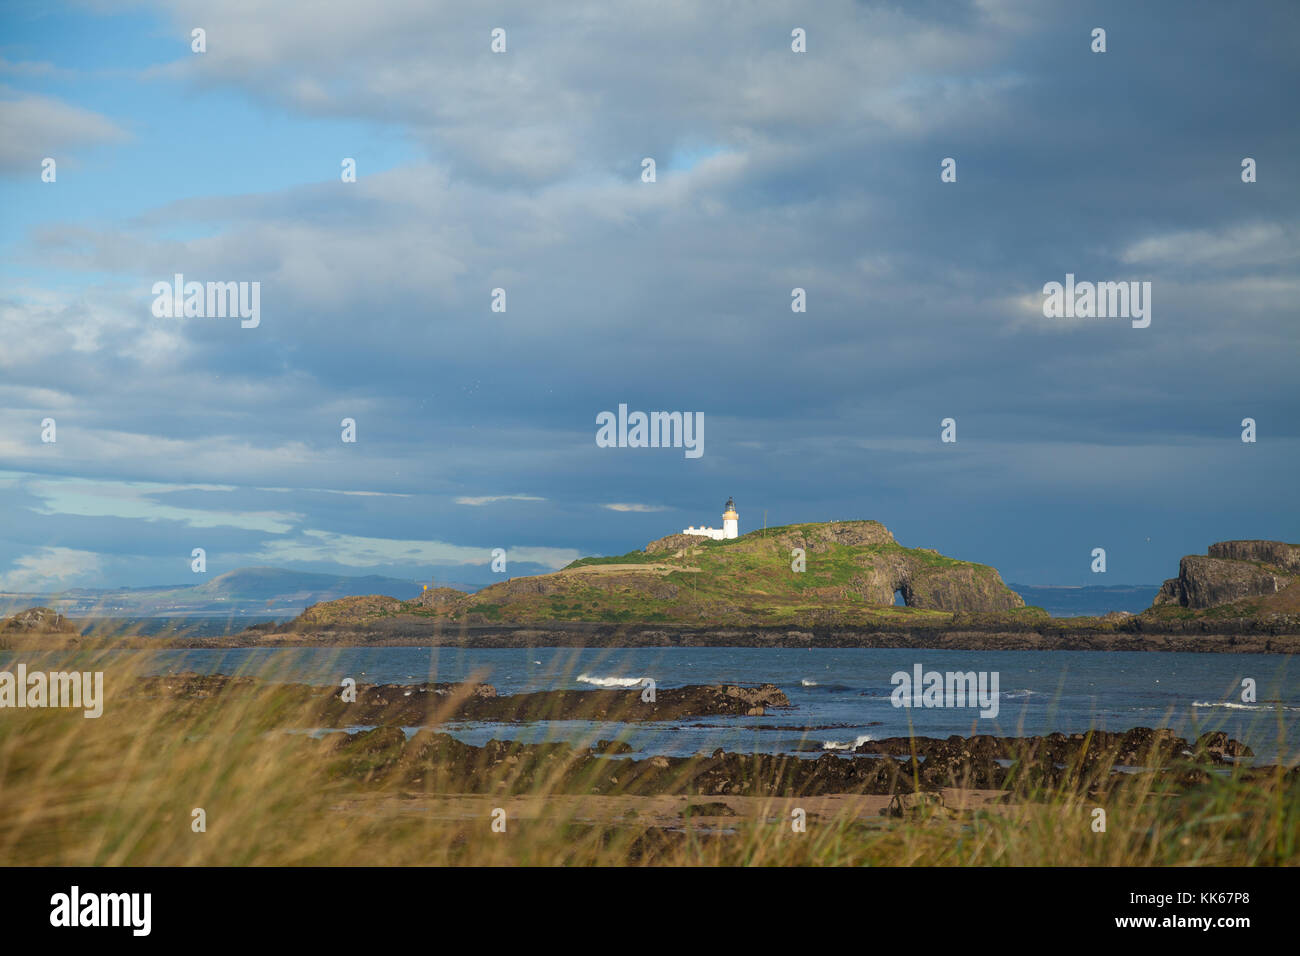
830 584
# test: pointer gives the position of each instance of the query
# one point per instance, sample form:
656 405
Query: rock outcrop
441 599
349 610
817 538
673 543
431 704
1140 746
1232 571
40 620
1275 553
926 579
964 588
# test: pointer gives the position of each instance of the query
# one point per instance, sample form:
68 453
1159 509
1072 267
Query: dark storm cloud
776 170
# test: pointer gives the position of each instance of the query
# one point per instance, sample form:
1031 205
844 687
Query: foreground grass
121 790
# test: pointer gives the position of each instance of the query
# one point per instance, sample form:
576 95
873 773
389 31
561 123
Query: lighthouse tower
730 520
730 525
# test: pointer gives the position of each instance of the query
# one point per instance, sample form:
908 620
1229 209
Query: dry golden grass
120 790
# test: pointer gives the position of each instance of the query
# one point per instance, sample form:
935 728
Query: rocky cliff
1275 553
1232 571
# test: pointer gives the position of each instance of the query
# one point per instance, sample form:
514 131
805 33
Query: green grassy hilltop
851 571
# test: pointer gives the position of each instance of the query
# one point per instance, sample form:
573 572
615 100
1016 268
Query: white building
730 525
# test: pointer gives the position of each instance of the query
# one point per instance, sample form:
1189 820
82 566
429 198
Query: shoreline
429 704
398 634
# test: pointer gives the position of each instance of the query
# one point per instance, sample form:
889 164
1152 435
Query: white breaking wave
1233 705
840 745
1013 694
832 687
612 681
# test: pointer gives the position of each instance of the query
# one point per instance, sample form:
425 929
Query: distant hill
262 584
245 591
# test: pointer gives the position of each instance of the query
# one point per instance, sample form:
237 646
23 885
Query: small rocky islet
416 705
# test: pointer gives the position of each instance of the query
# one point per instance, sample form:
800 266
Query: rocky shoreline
1084 762
1231 637
893 765
427 704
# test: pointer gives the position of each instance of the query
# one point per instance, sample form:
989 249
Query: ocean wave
1016 694
1233 705
828 688
844 745
612 681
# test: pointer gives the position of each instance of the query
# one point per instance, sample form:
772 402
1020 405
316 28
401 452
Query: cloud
34 126
336 491
489 499
97 322
140 501
49 569
776 170
1246 245
370 552
32 68
572 97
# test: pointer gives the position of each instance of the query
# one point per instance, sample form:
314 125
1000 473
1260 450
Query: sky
523 170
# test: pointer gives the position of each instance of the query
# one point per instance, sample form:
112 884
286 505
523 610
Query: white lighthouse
730 525
730 520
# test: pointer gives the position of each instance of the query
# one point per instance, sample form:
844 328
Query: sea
840 697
